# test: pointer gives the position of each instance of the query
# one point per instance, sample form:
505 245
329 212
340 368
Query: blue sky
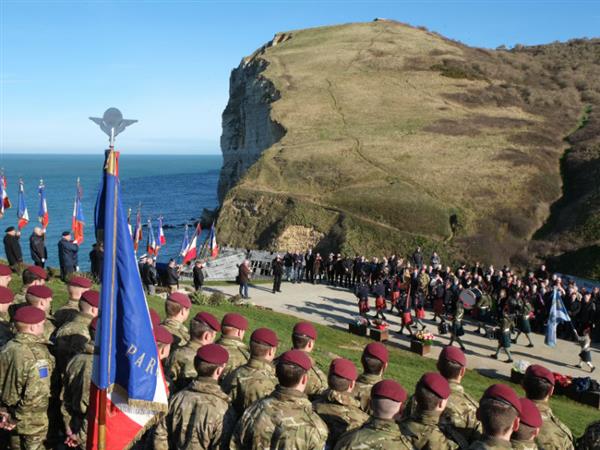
167 63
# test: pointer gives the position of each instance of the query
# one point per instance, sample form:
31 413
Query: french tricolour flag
78 221
185 243
162 240
192 251
4 201
128 388
151 247
212 240
137 234
22 214
43 216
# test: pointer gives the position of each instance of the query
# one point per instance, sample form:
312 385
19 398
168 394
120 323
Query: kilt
363 305
406 318
524 325
380 303
395 296
438 306
586 356
504 339
420 313
457 329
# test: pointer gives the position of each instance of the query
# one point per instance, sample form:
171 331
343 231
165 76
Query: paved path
337 307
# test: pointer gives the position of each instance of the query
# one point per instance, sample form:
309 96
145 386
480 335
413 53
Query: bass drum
468 298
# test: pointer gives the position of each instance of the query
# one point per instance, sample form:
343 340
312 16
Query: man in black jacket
97 260
67 256
277 267
12 248
150 276
37 247
198 274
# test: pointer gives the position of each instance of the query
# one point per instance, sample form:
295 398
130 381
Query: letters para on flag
558 314
126 361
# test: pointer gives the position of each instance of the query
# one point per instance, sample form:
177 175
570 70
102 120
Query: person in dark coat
198 274
277 268
12 248
149 276
172 276
37 247
67 256
97 260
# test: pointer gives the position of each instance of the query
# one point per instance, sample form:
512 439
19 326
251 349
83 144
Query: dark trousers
39 264
276 283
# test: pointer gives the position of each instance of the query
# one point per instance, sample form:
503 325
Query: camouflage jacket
523 445
591 438
49 327
66 313
341 412
6 331
362 390
554 435
181 368
199 417
461 413
375 434
249 383
317 380
239 353
26 369
181 335
76 392
71 338
490 443
424 431
283 420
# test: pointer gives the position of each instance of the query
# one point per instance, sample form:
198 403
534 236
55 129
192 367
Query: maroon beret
154 318
29 314
436 384
305 329
454 354
343 368
377 350
38 272
209 320
213 354
235 320
504 393
265 336
530 414
81 282
40 291
162 335
94 323
6 295
389 389
92 297
535 370
5 271
180 298
296 357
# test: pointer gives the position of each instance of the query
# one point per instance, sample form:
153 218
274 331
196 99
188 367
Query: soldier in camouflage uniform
256 379
5 275
31 276
6 299
284 419
539 387
422 427
203 329
304 338
199 417
591 438
177 308
75 392
499 410
40 297
461 410
26 369
76 287
529 427
233 328
71 338
336 406
374 360
380 432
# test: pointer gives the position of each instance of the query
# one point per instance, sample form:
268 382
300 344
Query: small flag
186 241
43 216
214 248
137 234
191 251
162 240
151 247
128 388
22 213
4 201
78 221
129 223
558 314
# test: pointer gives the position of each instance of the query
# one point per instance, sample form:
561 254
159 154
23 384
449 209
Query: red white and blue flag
129 223
162 240
43 216
78 221
185 243
192 249
137 234
151 247
128 388
4 201
212 242
22 213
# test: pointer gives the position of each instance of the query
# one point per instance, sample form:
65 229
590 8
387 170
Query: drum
468 298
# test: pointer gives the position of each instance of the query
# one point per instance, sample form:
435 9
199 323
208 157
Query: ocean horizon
176 187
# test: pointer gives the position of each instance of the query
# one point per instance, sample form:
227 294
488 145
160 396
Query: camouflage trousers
27 442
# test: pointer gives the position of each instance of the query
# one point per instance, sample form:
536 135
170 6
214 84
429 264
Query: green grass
404 366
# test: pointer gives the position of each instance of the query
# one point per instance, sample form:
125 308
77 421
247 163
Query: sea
176 187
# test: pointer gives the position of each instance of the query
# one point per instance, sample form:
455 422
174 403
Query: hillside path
337 307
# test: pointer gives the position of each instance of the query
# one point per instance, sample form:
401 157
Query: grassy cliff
394 136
